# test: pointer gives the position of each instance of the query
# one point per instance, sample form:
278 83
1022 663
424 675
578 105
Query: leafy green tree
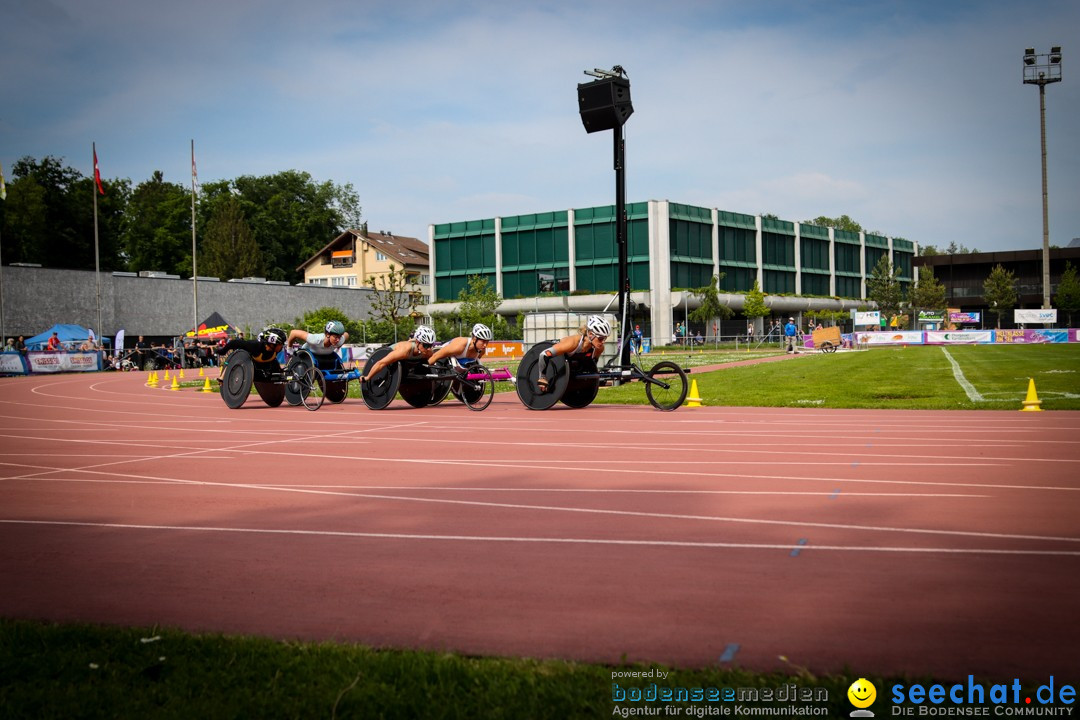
1067 297
157 227
710 308
228 248
1000 293
293 217
841 223
754 306
315 321
48 217
479 304
928 294
393 301
883 287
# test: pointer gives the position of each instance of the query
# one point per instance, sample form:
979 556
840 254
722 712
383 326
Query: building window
379 256
338 282
425 279
352 281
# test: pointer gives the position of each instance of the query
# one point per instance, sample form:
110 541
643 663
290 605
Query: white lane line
599 491
552 540
972 393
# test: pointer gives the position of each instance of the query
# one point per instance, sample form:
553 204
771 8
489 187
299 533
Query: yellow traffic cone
1031 402
201 373
152 380
175 384
181 373
693 399
166 373
206 386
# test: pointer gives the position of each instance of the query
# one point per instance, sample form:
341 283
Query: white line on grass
972 393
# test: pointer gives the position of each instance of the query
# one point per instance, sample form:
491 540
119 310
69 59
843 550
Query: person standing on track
323 346
420 347
790 331
589 340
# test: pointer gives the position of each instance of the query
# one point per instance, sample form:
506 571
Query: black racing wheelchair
304 381
421 385
574 380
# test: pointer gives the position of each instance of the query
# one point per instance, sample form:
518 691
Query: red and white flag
97 172
194 173
3 188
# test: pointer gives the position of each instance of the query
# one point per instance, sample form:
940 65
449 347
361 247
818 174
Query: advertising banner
902 337
866 318
959 337
1035 316
50 362
11 363
964 317
928 316
1015 337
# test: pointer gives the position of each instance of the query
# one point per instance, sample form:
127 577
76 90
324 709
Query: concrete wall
36 298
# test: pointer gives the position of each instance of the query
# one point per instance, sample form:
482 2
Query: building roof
402 249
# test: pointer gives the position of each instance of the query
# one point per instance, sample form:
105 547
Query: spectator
54 344
749 333
10 346
790 332
698 339
20 344
637 338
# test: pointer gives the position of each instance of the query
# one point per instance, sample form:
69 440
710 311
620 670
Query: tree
229 249
1067 297
393 300
929 294
754 306
710 307
479 303
48 217
999 289
841 223
883 287
157 227
293 217
315 321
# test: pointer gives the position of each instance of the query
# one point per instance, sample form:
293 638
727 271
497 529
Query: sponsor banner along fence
45 362
956 337
12 363
1014 337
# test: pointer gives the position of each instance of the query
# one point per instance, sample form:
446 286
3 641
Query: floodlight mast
619 148
1043 69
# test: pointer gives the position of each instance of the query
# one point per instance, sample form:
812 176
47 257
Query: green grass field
894 378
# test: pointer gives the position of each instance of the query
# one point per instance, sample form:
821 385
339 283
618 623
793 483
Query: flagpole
194 266
3 327
97 261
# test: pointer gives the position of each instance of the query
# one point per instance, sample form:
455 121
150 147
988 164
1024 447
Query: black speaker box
604 104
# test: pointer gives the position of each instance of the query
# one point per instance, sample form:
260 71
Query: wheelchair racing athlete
589 341
420 347
463 350
264 351
323 346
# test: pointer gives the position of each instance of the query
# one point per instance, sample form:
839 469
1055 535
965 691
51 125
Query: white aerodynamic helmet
335 327
599 326
480 331
424 335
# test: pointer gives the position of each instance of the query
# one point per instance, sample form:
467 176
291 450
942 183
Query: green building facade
572 254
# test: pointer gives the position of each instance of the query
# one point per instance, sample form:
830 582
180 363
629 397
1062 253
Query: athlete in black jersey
264 351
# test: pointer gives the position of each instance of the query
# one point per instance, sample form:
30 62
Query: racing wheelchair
421 385
302 382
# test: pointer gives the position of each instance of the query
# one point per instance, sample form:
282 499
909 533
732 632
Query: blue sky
910 117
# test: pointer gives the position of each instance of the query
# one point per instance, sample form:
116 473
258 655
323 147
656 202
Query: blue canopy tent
68 334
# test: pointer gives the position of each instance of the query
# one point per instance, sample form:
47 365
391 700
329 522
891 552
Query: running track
887 542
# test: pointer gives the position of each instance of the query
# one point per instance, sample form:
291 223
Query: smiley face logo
862 693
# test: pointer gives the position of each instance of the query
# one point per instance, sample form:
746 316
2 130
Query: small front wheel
477 394
666 386
314 388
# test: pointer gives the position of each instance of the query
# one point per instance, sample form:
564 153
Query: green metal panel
877 241
738 244
849 287
737 278
775 225
815 253
813 231
692 213
536 221
736 220
690 239
468 227
902 244
873 255
778 282
905 262
847 237
847 258
814 284
778 249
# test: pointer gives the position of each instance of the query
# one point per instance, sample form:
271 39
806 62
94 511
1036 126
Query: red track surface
918 542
